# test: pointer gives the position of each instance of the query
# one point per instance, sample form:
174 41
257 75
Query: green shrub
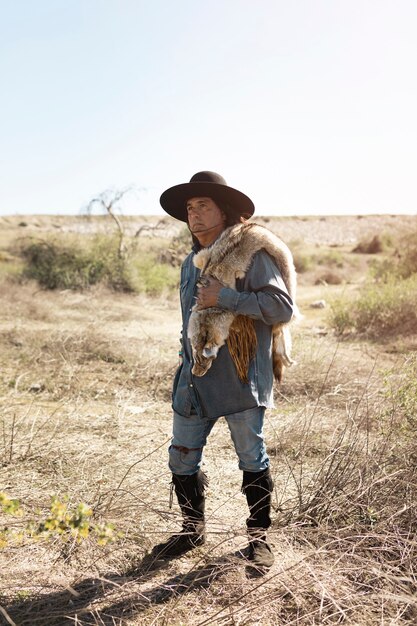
153 278
332 258
179 247
407 258
302 262
383 269
60 521
401 392
401 264
306 261
381 309
115 268
59 265
340 316
55 265
388 308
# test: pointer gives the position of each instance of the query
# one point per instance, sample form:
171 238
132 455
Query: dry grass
85 412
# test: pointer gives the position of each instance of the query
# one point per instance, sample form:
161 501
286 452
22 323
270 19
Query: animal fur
228 259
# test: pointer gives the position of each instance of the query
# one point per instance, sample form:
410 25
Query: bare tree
152 227
109 200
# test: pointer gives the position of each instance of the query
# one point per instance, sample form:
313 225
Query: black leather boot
190 494
257 486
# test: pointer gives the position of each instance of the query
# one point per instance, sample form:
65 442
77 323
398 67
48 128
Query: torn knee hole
185 450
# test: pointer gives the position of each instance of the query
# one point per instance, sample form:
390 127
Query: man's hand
208 293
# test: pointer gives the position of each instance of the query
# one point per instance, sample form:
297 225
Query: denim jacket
262 296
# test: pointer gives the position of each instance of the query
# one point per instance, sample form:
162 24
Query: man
210 207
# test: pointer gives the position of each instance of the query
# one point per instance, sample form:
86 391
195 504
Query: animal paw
199 369
201 365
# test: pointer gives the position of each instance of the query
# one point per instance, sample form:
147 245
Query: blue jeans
190 436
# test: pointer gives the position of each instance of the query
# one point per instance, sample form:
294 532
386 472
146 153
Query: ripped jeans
190 436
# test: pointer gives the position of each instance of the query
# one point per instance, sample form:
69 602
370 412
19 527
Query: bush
389 308
58 265
383 269
401 392
402 264
306 261
178 249
373 246
55 265
153 278
60 521
332 258
329 277
340 317
302 262
407 259
381 309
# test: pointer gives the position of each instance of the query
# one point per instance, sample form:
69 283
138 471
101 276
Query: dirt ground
85 383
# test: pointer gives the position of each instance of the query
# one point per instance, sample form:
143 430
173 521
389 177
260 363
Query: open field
85 381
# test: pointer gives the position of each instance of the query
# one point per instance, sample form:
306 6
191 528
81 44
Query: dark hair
232 216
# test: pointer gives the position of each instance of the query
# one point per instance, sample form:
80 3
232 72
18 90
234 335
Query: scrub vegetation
89 343
386 304
69 264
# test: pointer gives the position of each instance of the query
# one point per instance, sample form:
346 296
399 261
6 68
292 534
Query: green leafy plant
61 521
9 505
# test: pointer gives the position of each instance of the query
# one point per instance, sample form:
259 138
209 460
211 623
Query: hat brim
174 199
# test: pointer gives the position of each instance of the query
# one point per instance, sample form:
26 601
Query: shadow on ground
117 597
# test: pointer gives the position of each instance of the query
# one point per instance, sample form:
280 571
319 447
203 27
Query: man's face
204 216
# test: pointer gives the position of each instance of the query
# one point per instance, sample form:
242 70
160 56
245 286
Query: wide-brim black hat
210 185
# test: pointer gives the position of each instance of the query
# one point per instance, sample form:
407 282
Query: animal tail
281 351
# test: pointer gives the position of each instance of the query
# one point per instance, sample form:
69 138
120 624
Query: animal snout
210 353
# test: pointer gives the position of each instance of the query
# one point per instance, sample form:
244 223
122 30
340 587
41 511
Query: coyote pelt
228 259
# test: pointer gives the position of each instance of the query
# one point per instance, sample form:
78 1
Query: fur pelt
228 259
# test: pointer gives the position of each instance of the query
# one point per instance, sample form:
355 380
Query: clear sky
307 106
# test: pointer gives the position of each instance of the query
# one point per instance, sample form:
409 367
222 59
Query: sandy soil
85 383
